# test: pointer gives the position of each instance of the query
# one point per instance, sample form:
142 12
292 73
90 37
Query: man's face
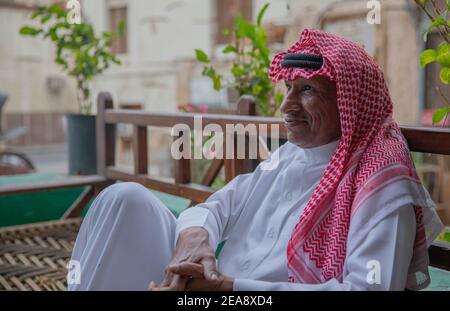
310 112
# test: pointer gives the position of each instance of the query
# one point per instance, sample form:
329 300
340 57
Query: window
226 11
116 15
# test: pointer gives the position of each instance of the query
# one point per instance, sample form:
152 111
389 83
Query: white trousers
126 240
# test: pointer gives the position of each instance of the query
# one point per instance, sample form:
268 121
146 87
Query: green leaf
249 31
57 10
226 31
116 61
440 114
256 89
45 18
229 49
443 54
237 71
240 25
208 71
261 14
201 56
444 58
122 28
35 14
217 82
29 31
445 75
427 56
439 21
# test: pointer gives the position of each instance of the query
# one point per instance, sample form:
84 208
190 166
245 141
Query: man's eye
306 88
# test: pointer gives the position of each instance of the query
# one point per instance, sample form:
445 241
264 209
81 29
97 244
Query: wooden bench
34 257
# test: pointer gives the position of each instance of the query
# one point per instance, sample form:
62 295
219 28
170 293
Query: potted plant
250 65
249 69
83 55
438 13
440 22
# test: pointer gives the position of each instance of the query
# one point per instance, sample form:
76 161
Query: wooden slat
429 140
77 207
69 182
263 150
171 119
182 166
439 254
421 139
228 165
18 6
191 191
106 136
240 165
140 150
212 172
246 106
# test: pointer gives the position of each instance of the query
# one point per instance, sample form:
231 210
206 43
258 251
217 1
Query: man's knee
127 195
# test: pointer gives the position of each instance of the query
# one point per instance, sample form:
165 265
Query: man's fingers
202 284
152 285
178 283
167 279
197 284
187 269
210 268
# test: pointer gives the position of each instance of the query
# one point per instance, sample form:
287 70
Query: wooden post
212 172
228 164
246 106
182 167
235 166
140 150
106 134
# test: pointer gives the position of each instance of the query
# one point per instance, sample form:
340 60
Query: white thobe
128 235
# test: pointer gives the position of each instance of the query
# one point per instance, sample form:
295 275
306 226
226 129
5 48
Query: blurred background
159 71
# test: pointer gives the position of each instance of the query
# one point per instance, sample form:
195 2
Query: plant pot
81 144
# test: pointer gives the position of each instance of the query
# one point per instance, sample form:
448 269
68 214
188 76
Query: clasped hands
193 266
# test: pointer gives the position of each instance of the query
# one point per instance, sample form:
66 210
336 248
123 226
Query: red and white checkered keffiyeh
372 154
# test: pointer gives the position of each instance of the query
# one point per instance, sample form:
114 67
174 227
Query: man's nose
290 104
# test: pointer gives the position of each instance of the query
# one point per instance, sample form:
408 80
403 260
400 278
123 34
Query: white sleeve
219 213
390 243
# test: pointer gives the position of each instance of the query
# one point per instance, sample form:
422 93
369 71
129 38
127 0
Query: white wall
162 36
25 65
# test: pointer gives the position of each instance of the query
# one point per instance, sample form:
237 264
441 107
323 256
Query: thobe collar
319 154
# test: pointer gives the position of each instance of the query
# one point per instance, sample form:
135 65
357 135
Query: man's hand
192 247
195 278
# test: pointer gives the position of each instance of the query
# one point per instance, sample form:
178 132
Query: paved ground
48 159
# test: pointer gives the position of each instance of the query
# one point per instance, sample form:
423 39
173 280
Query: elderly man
343 210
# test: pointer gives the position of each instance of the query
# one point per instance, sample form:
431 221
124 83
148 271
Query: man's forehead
316 79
